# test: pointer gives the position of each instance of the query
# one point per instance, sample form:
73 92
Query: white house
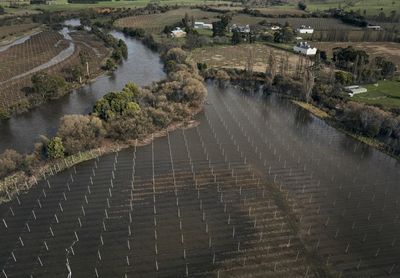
178 33
355 89
305 48
275 28
202 25
305 30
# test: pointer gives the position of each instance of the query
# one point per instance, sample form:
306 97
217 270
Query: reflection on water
142 67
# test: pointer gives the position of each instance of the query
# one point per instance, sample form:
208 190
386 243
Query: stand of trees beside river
130 114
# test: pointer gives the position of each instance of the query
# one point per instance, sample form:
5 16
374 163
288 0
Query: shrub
10 161
55 148
80 133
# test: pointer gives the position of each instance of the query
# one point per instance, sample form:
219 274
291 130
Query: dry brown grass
236 56
155 23
389 50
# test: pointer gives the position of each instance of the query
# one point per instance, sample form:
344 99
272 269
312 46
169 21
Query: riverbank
81 67
332 122
291 89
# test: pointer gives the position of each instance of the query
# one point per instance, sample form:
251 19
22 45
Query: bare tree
271 65
250 62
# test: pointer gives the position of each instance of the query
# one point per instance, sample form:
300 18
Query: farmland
10 33
390 50
372 7
21 61
237 56
385 94
155 23
318 24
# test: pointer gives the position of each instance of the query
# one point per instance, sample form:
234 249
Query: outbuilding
355 90
305 30
305 49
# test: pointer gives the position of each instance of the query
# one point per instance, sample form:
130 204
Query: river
142 67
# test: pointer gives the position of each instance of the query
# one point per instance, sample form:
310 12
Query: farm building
240 28
178 33
305 48
305 30
374 27
355 89
202 25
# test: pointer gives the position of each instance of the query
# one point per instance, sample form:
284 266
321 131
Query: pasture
372 7
236 56
385 93
319 24
389 50
155 23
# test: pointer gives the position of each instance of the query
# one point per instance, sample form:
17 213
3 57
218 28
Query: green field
62 5
386 94
372 7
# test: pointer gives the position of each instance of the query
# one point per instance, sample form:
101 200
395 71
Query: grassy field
389 50
155 23
385 93
236 56
62 5
372 7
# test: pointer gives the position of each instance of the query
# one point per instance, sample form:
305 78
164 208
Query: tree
10 161
55 148
48 86
302 6
220 27
110 65
236 37
284 35
344 78
80 133
2 11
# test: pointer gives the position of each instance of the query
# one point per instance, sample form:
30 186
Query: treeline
351 17
360 119
360 67
120 49
326 91
121 116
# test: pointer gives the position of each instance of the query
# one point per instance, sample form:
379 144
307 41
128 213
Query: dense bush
79 132
48 86
10 161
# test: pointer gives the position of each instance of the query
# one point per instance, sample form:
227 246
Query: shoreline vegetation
131 117
47 87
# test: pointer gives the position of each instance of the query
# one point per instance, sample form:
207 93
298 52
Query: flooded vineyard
260 188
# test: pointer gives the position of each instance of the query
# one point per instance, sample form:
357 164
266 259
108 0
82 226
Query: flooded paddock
260 188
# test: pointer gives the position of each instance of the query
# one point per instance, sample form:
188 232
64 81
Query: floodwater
142 67
198 203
